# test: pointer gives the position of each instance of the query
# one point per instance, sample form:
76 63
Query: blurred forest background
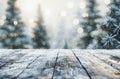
44 24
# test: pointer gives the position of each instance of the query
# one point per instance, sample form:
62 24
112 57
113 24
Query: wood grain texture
58 64
68 67
96 68
110 59
42 67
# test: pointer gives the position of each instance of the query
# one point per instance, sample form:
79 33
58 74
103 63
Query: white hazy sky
51 11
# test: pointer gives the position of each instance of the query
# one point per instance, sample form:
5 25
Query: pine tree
89 24
112 26
12 36
40 39
66 45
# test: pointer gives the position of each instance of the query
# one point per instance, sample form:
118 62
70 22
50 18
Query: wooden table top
59 64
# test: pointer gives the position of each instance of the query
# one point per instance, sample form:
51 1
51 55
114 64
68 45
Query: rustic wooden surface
59 64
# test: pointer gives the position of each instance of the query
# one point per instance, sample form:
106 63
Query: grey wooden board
42 67
6 58
95 67
111 59
68 67
55 64
4 52
21 62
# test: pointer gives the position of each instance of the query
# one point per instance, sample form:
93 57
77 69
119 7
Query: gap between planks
72 62
40 65
96 68
55 65
12 70
9 60
82 65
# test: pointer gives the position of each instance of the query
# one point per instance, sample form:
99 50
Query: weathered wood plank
68 67
95 67
21 60
6 58
4 52
49 64
112 60
42 67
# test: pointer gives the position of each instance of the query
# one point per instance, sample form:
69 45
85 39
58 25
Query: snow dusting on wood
59 64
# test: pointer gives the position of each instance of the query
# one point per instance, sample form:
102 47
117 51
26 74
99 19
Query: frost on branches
112 27
11 33
88 40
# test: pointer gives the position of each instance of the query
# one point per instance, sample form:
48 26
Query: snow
109 40
40 63
117 29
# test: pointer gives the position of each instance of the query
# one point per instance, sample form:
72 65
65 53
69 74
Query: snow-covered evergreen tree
40 39
112 26
89 24
11 33
66 45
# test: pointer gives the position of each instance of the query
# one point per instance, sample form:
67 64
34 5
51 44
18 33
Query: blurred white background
60 17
